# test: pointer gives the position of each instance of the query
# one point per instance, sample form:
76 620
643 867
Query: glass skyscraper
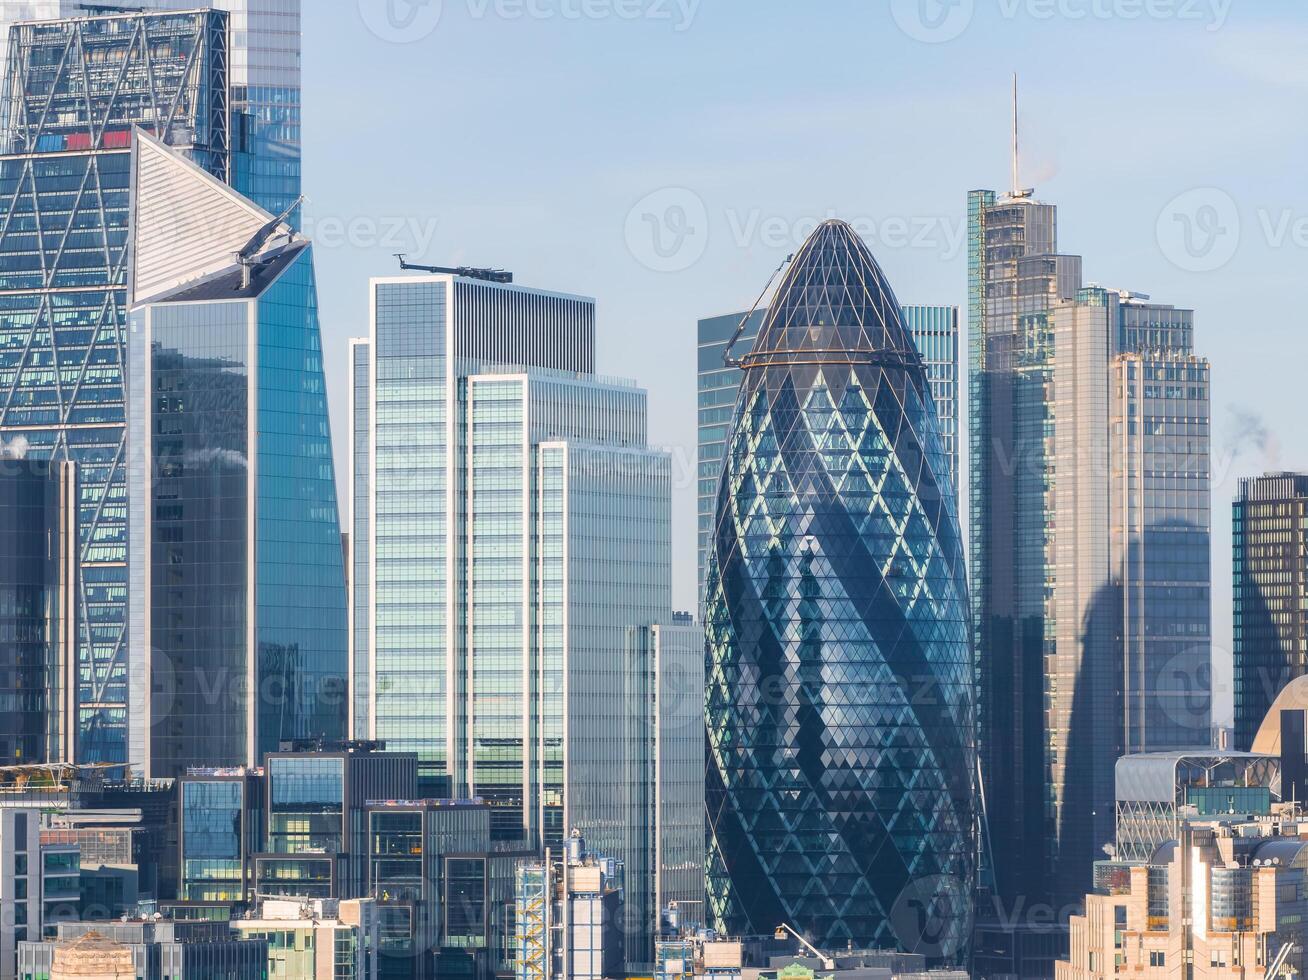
840 693
1089 436
1161 525
263 69
512 573
237 603
224 89
73 91
1269 540
934 329
34 562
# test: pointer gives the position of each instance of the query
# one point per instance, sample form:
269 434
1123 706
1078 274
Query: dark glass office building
840 699
33 563
1270 539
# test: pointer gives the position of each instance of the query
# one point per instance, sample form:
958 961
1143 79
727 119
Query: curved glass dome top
839 702
833 306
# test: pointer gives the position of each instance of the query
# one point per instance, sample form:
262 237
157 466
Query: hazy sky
664 155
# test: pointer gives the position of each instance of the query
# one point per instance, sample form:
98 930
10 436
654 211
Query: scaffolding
532 891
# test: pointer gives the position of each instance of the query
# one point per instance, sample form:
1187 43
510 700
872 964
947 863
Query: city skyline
396 528
703 130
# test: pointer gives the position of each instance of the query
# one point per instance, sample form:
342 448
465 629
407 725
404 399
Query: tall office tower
513 526
1161 526
935 330
238 588
34 561
74 90
1015 280
264 73
1270 540
840 693
265 78
16 11
1089 535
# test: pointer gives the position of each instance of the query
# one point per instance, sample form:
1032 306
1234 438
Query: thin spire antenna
1017 179
1018 192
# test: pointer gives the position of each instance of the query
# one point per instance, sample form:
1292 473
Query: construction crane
247 257
727 358
784 930
467 272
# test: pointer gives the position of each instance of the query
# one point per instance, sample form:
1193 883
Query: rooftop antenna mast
1018 191
1017 180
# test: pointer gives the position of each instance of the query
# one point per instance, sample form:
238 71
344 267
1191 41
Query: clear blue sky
523 133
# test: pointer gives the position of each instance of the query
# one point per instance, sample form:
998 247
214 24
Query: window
1157 958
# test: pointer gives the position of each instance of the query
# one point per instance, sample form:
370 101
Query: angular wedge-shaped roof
834 305
186 224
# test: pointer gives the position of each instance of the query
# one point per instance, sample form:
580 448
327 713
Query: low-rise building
569 916
39 884
1227 901
317 938
158 950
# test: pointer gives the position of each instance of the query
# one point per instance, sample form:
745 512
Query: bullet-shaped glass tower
840 701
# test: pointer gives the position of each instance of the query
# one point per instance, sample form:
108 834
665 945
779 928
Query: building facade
238 607
39 883
445 890
837 594
513 529
311 939
221 828
1161 527
935 330
222 88
568 916
1225 901
1090 501
35 554
1269 540
154 950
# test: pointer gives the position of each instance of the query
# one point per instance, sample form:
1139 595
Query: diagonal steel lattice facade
73 93
840 703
